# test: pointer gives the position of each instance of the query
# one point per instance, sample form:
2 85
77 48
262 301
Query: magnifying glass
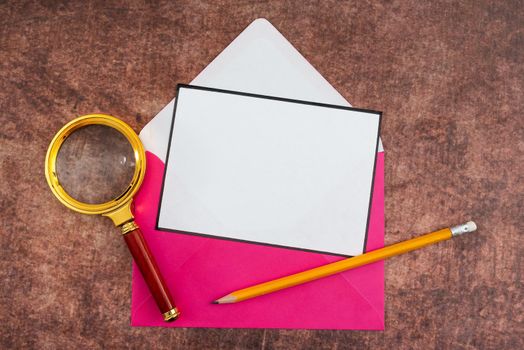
95 165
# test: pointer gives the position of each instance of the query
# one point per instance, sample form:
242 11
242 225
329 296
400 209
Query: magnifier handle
148 267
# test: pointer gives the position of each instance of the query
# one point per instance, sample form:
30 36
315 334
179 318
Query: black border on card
179 86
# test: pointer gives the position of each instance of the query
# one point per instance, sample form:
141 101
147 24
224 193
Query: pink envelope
201 269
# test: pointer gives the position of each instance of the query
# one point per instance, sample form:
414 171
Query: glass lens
95 164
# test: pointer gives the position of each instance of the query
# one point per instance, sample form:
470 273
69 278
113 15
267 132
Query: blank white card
269 170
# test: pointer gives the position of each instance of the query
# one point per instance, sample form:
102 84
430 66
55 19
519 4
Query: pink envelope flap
199 270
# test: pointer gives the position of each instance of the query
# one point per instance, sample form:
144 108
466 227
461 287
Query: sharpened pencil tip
214 302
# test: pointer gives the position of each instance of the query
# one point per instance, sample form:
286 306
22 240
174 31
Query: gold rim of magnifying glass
61 136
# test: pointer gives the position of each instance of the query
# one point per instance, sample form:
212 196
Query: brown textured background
448 76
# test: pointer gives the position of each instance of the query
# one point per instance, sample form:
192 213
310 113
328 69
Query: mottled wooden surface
448 76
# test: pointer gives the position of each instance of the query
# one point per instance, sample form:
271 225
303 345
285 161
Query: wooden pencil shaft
342 265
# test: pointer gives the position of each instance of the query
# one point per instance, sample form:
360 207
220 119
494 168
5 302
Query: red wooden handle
149 269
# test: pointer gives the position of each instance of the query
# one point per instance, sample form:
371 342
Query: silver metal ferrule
458 230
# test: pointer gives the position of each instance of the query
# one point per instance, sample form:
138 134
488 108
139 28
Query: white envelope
260 60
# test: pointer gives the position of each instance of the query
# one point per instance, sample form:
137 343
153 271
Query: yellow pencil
346 264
